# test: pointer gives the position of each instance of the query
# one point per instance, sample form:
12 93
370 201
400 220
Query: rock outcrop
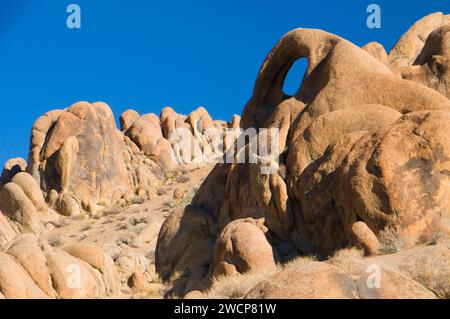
11 168
80 166
363 156
173 139
30 269
361 159
78 153
346 279
242 247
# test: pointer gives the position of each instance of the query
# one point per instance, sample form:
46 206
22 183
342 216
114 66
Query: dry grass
345 255
115 210
137 200
55 242
391 241
302 260
236 287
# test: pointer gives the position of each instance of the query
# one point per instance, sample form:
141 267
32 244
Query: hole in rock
295 76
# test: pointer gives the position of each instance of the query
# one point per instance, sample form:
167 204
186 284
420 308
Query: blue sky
145 54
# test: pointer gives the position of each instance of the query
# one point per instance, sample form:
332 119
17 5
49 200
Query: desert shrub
301 260
137 200
55 242
345 255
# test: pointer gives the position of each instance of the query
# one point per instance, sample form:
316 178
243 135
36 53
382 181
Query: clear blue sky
145 54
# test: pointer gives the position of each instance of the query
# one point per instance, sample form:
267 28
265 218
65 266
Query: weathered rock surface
34 270
363 160
242 247
363 157
79 151
11 168
348 277
7 230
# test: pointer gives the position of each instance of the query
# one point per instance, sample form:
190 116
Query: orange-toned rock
242 247
82 154
12 167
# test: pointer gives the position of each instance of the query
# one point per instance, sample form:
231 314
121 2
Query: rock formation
364 158
363 162
81 166
30 269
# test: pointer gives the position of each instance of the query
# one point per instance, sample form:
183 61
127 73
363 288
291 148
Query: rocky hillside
93 196
357 208
365 153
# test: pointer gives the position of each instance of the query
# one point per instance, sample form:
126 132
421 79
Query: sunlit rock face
364 154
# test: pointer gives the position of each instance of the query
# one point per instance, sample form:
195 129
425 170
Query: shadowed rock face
364 154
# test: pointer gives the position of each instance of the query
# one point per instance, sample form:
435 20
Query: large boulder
31 269
79 151
146 133
427 265
7 230
15 204
408 48
12 167
242 247
363 156
346 278
432 65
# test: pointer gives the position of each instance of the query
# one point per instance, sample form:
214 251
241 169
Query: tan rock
27 253
377 50
407 49
242 245
15 204
178 193
67 205
127 119
82 155
139 282
11 168
362 154
73 278
308 281
31 189
7 230
431 67
146 133
195 294
15 283
100 261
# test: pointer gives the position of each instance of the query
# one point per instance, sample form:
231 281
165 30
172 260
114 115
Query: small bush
55 242
299 261
345 255
137 200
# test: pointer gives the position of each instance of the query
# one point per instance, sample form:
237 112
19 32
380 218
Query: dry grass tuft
345 255
301 260
55 242
236 287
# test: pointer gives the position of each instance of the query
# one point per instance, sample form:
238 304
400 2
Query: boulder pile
81 166
364 162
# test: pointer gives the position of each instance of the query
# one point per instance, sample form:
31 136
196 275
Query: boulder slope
363 156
